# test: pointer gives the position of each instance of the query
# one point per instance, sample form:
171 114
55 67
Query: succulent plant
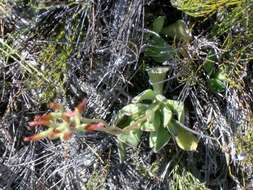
149 111
153 113
217 78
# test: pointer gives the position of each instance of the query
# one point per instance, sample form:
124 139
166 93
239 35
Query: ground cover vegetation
127 94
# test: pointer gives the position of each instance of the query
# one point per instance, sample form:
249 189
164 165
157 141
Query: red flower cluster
63 124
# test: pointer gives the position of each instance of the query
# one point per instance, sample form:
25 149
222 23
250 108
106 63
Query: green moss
97 179
183 179
200 8
53 63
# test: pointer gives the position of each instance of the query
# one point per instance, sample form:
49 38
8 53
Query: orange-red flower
41 120
94 126
63 124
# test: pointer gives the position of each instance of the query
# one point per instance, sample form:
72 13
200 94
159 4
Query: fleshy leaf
186 140
178 108
147 126
129 113
221 75
158 24
123 120
216 85
172 127
156 76
38 136
133 109
41 120
81 107
177 30
150 114
160 98
145 95
209 63
131 138
159 138
167 116
158 119
159 50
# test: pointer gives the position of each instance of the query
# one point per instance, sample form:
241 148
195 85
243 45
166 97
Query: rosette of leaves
157 47
153 113
216 77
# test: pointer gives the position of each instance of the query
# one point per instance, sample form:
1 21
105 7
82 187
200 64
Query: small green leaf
209 63
221 75
178 108
154 118
158 24
158 119
150 114
216 85
177 30
158 139
132 109
147 126
167 116
159 50
209 67
160 98
145 95
131 138
123 120
172 127
186 140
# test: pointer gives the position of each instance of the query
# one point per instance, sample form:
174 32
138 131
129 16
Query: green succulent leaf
158 119
209 64
161 99
178 108
147 126
123 120
159 50
146 95
186 140
167 116
177 30
221 75
172 127
150 115
159 138
158 24
216 85
154 119
131 138
156 76
132 109
130 112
